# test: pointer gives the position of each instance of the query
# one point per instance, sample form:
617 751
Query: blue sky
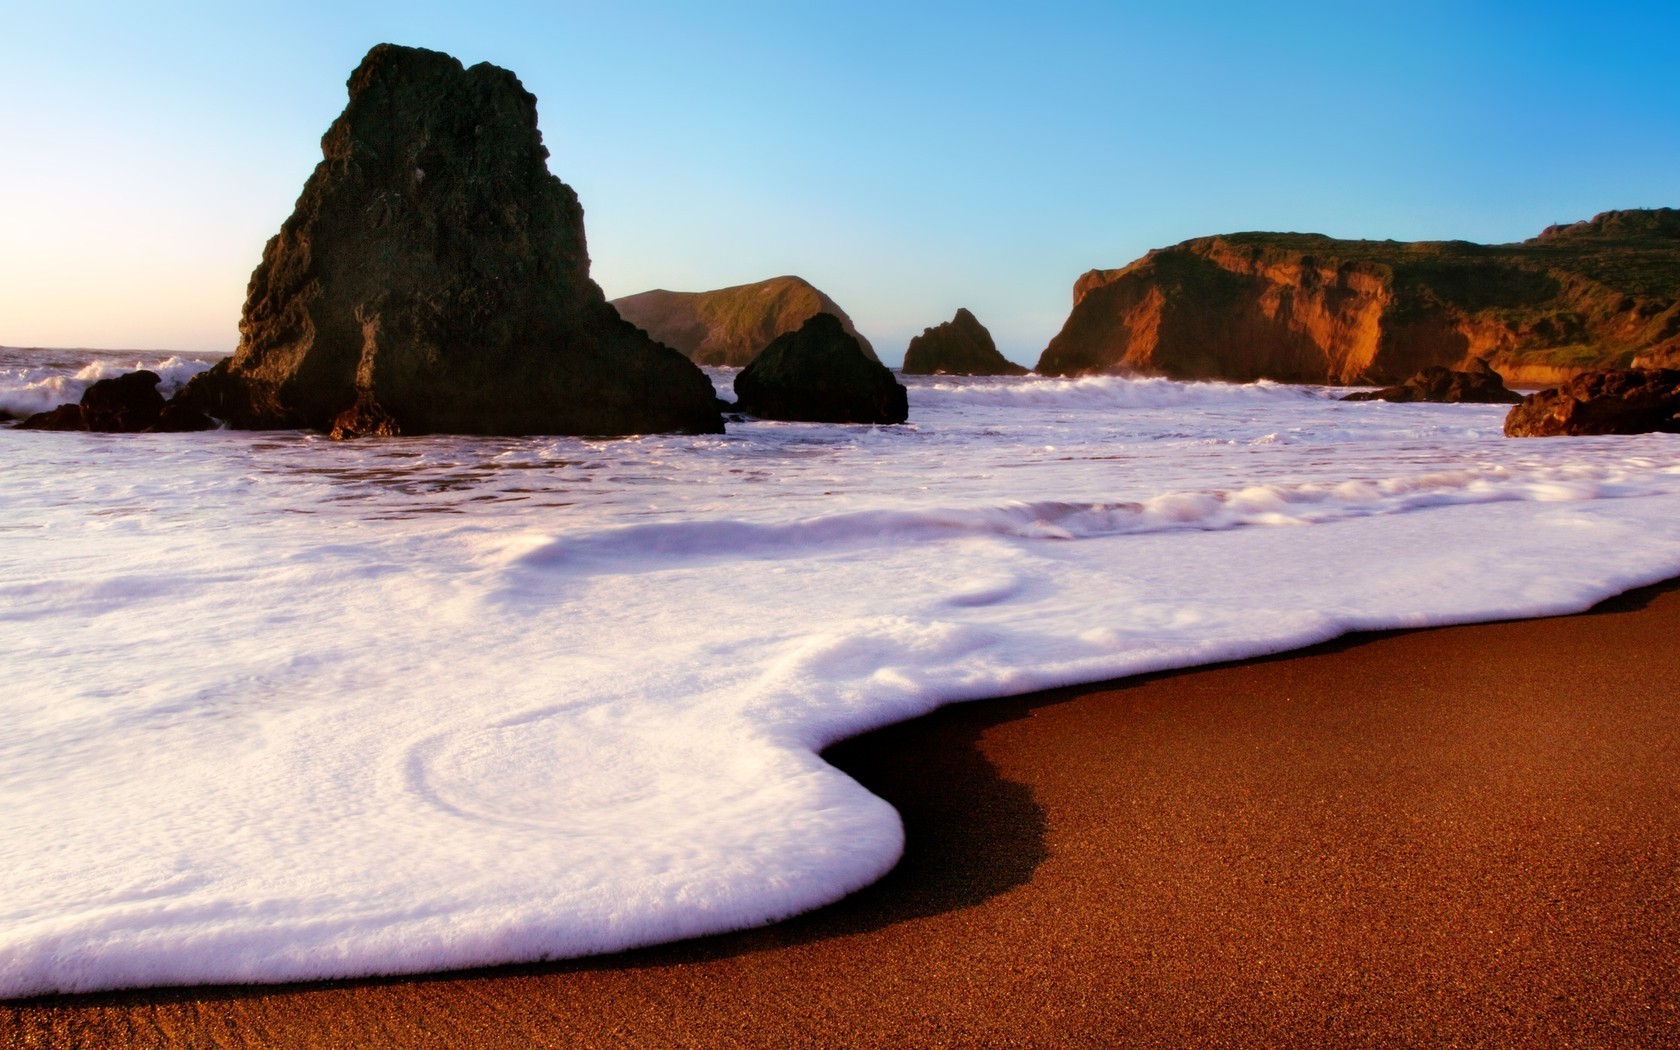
907 158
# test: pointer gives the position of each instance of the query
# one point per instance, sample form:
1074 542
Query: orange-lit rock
1308 308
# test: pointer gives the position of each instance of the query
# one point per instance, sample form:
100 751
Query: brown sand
1460 836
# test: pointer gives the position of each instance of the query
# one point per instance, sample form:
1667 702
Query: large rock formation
731 326
1477 384
1307 308
819 374
1619 401
434 278
960 346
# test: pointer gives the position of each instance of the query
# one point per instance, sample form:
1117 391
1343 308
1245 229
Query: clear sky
907 158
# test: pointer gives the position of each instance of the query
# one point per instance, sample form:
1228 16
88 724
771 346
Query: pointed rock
960 347
434 278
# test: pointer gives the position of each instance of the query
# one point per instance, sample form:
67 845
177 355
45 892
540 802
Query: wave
1088 392
26 389
1208 511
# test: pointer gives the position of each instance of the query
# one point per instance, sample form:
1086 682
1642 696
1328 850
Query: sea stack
961 347
819 374
731 326
433 277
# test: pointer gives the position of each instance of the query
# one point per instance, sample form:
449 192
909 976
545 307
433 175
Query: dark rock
1478 384
434 277
126 404
819 374
1616 401
64 417
960 346
179 417
731 326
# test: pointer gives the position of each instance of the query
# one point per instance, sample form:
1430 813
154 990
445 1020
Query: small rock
819 374
1614 401
1478 384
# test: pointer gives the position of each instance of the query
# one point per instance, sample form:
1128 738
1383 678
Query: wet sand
1468 835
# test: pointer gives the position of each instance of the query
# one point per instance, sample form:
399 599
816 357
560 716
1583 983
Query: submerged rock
64 417
731 326
1477 384
819 374
1617 401
434 278
961 346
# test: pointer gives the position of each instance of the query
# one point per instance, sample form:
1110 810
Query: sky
907 158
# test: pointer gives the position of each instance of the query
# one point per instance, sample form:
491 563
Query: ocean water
276 707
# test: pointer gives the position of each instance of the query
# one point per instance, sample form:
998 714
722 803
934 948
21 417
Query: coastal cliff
731 326
1307 308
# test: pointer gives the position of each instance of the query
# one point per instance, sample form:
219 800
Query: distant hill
729 326
1308 308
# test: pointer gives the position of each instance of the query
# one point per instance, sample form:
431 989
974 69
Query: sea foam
281 708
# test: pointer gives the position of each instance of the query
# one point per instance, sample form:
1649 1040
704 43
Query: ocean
278 708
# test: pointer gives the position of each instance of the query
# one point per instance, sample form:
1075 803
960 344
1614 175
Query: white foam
281 708
28 386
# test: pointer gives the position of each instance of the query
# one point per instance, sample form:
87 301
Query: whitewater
278 708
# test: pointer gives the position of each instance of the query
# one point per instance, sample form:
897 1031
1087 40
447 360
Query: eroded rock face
1312 309
962 347
1616 401
819 374
434 278
731 326
1477 384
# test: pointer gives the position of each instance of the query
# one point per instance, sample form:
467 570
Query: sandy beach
1468 835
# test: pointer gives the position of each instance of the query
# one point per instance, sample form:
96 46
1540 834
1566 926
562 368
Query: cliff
433 277
1312 309
731 326
960 346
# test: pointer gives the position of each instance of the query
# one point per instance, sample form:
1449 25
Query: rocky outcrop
819 374
1311 309
960 347
124 404
434 278
731 326
1618 401
1477 384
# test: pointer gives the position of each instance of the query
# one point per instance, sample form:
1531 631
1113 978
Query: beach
1462 835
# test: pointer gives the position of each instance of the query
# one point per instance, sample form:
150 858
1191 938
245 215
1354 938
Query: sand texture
1464 836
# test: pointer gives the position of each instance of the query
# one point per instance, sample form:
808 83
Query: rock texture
1307 308
1478 384
819 374
731 326
961 347
434 278
1618 401
124 404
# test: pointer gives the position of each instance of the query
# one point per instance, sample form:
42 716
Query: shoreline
1455 834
